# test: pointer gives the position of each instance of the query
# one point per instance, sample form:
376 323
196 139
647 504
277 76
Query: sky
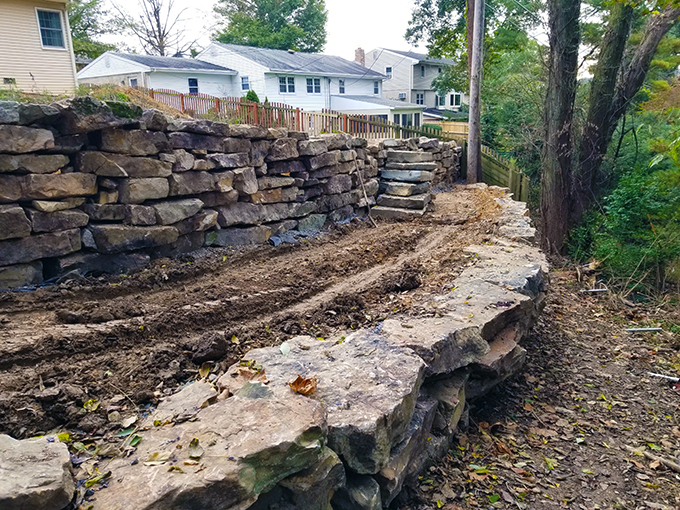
351 24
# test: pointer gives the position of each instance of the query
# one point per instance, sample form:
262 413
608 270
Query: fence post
255 113
345 127
217 105
181 102
298 122
151 93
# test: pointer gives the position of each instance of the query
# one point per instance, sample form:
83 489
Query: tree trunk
474 156
565 35
609 99
602 93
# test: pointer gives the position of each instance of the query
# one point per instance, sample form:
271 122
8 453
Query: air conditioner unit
402 96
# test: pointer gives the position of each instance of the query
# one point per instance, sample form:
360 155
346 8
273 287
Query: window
342 86
442 101
396 118
287 84
455 99
388 72
313 86
133 82
416 119
422 71
420 98
245 84
9 81
193 85
51 31
439 70
376 87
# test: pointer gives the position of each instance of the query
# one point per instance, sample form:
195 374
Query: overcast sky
351 24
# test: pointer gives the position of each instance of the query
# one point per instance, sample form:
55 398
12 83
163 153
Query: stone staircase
406 181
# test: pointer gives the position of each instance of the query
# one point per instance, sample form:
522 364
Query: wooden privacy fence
500 171
457 130
240 110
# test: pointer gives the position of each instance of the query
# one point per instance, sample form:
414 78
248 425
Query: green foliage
252 96
436 127
280 24
87 21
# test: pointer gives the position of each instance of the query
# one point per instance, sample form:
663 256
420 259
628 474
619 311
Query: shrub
252 96
436 127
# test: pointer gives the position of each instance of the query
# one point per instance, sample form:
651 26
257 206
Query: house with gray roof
409 77
311 81
186 75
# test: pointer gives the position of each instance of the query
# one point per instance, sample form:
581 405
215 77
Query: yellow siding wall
22 55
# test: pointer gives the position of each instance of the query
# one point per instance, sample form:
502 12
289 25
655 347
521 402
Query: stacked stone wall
90 187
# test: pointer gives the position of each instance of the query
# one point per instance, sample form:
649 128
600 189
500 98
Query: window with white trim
313 85
416 119
442 101
420 98
51 28
422 71
133 82
341 86
455 99
287 84
193 85
396 118
245 83
376 87
388 72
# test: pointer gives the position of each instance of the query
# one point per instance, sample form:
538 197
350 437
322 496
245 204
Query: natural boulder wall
56 221
119 238
244 213
106 212
202 127
204 220
247 445
242 236
140 215
248 131
282 149
19 139
236 160
85 114
370 404
409 157
46 187
62 205
10 188
32 163
360 492
36 473
312 147
407 175
322 160
99 163
191 141
13 222
191 183
38 247
136 191
337 140
258 152
135 142
232 145
142 167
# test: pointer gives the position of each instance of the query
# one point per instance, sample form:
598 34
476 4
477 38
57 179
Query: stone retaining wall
386 405
92 187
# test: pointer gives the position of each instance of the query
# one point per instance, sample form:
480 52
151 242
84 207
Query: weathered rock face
86 114
168 213
56 221
38 247
13 222
32 163
359 493
36 473
191 183
19 139
283 148
136 191
119 238
361 430
136 142
264 441
20 275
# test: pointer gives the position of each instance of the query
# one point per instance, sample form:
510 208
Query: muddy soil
564 433
102 343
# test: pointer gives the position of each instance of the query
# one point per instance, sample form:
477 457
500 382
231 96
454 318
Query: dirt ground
71 353
558 434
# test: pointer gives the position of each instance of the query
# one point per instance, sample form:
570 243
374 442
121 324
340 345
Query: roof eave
331 75
192 71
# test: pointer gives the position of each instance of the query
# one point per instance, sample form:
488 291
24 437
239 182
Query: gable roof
169 62
422 57
298 62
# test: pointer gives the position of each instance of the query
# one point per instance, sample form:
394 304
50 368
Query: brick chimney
360 56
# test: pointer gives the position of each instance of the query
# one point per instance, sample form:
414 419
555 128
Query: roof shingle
170 62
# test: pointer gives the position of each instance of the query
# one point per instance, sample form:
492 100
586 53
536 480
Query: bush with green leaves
252 96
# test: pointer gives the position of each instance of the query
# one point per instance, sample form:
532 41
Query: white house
409 77
399 112
311 81
184 75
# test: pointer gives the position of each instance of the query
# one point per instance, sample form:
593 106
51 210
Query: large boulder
31 163
20 275
119 238
136 191
242 236
192 141
191 183
13 222
47 187
56 221
238 159
20 139
38 247
36 473
370 404
242 447
282 149
136 142
174 211
199 126
85 114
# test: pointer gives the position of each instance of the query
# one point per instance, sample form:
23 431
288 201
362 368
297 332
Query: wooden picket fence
240 110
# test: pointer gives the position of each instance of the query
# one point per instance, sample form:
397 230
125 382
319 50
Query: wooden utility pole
474 156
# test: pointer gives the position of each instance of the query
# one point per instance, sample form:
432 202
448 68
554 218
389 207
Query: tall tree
158 26
88 21
565 37
278 24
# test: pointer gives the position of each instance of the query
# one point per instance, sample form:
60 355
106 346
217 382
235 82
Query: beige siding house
36 54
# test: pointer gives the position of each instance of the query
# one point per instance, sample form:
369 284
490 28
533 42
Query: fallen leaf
195 450
303 386
156 459
285 348
135 440
204 371
550 463
91 405
128 422
655 464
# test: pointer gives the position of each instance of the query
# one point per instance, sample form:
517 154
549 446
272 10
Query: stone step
395 213
412 202
409 156
431 166
407 175
404 189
